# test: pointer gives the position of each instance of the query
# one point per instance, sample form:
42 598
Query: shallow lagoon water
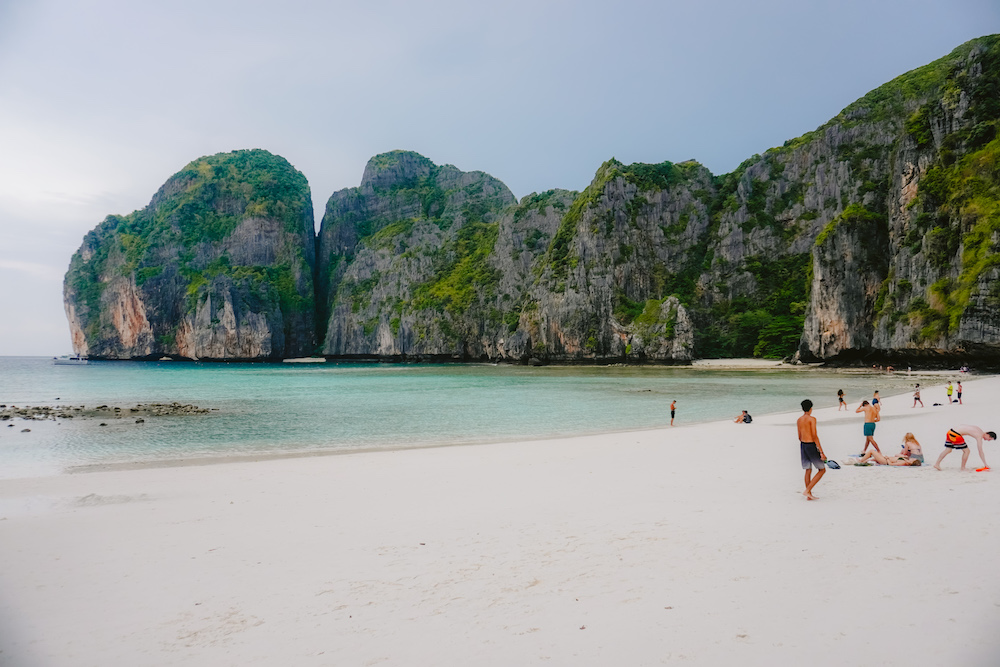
285 408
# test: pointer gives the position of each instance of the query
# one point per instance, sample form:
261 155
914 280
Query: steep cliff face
878 234
218 266
924 165
403 258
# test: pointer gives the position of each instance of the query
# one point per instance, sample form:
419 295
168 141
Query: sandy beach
690 545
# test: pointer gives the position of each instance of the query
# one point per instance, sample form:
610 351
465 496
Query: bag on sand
830 463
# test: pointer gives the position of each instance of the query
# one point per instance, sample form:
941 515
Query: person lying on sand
871 416
954 439
881 460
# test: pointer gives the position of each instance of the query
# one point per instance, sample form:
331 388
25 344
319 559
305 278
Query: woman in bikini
881 460
840 398
911 448
916 397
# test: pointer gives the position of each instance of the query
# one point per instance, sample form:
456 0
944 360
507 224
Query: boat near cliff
70 360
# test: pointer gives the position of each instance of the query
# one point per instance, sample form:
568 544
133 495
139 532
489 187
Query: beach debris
25 430
103 424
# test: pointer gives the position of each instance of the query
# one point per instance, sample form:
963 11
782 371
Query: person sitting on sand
916 396
744 418
840 399
871 416
810 450
954 439
881 460
911 448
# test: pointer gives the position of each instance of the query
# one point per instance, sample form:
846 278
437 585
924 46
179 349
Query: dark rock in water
103 424
140 421
25 430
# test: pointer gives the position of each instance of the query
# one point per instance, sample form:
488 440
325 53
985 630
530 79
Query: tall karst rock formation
875 236
218 266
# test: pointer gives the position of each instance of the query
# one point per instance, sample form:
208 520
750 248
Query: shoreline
311 453
692 543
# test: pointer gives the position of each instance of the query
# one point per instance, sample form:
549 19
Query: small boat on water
70 360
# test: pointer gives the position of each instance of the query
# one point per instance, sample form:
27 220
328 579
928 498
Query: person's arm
815 436
861 408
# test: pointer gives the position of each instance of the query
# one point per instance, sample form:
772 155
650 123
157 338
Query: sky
101 101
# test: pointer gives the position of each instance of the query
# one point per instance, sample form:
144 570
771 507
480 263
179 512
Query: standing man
950 390
673 411
811 450
959 392
871 416
954 440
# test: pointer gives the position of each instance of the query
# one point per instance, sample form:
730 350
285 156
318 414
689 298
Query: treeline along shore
873 237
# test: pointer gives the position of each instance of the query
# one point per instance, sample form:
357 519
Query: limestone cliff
218 266
875 236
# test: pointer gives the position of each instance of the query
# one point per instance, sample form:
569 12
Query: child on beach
959 392
811 451
950 390
916 396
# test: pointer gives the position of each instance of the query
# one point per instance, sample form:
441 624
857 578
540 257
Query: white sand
688 544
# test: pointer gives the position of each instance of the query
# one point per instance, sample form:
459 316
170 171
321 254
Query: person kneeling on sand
881 460
954 439
810 449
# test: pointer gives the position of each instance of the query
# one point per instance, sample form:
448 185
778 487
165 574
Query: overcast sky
100 102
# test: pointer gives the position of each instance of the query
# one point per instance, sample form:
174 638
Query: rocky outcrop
218 266
877 234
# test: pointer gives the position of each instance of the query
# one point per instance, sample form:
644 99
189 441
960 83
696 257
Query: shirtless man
871 416
673 411
811 450
954 440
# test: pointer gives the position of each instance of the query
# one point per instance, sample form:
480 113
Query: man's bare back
807 428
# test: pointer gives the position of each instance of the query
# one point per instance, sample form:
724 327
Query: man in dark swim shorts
810 449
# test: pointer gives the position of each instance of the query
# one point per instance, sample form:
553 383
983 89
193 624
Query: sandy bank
686 544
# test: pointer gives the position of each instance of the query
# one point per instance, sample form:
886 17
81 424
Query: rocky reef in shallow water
875 236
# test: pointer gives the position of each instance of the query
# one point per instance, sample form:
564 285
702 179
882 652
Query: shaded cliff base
975 356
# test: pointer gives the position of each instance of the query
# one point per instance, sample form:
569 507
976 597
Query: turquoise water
278 408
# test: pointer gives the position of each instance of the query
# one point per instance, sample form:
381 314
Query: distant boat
70 360
306 360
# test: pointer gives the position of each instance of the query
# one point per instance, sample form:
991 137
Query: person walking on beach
840 399
950 390
810 449
916 396
871 416
876 402
954 439
959 392
673 411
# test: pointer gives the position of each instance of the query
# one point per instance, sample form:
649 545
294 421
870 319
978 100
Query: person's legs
811 485
965 457
809 472
946 452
